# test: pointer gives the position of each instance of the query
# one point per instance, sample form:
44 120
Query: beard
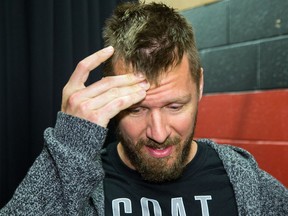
158 170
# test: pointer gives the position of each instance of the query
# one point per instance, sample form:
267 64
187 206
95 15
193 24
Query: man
156 168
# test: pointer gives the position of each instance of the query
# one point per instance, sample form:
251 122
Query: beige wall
184 4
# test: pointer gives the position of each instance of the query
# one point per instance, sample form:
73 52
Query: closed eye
175 107
135 111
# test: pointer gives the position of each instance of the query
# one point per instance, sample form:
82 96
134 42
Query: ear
201 83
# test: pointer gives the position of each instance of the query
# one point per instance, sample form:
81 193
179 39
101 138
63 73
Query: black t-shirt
203 189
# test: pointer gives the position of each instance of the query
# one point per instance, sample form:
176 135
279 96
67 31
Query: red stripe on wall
255 121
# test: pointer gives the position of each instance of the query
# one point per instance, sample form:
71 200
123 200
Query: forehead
173 84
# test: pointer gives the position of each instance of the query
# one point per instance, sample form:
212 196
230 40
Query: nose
158 128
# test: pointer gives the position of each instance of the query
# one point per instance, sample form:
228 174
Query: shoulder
230 153
240 165
251 184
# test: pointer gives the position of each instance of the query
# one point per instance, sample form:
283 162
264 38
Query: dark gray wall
243 44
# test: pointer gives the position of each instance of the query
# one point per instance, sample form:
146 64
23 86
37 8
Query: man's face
156 134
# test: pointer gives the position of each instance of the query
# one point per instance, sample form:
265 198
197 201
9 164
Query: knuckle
83 107
120 103
83 65
95 117
98 118
114 92
73 99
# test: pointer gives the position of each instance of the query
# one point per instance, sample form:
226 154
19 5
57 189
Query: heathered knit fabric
257 193
64 176
67 177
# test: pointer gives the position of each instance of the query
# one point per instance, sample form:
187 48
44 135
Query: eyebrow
182 99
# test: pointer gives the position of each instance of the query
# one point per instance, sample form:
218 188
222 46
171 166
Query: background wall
40 44
243 44
244 51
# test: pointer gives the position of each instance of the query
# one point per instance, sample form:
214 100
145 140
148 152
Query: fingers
116 93
81 73
100 92
102 116
105 105
104 99
112 84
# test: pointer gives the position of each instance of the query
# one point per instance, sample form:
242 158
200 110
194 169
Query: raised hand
104 99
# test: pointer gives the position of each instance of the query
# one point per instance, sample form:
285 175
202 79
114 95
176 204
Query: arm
63 176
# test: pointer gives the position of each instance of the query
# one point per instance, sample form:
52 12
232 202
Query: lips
160 153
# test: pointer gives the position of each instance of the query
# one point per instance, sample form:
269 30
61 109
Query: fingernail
108 49
139 75
144 84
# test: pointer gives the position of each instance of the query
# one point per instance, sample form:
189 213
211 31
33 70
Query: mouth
159 152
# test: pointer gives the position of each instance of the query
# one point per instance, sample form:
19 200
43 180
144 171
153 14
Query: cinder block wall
243 44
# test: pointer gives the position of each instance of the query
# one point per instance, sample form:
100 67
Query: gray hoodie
67 177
